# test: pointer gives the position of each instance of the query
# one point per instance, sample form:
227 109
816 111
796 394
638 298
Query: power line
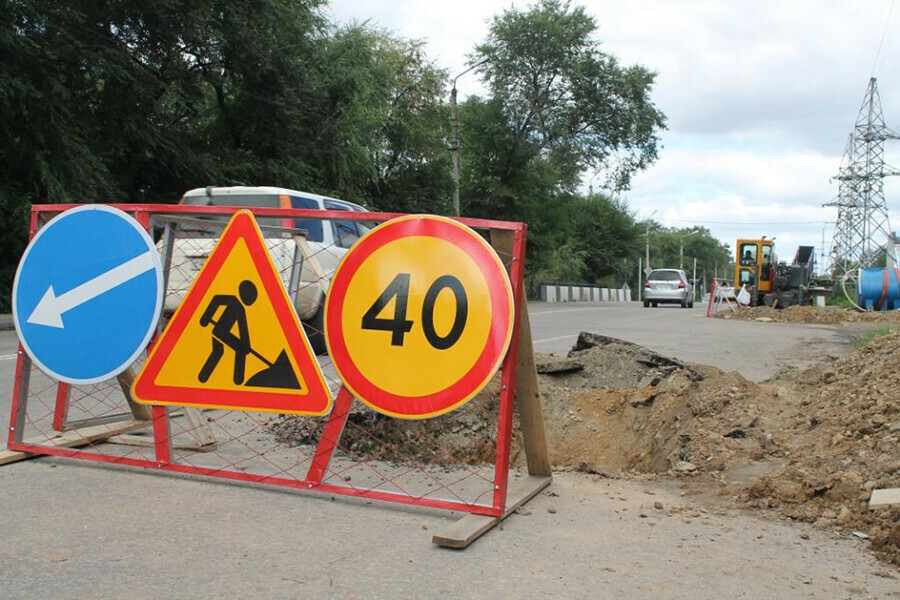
704 222
887 23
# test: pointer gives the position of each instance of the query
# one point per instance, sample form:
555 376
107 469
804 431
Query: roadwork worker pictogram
277 374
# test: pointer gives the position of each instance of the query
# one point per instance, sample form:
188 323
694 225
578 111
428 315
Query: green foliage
558 106
711 254
13 233
136 101
564 263
140 101
565 101
838 298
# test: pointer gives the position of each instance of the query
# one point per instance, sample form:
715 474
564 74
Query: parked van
326 242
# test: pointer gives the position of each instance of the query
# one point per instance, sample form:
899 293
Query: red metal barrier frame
334 427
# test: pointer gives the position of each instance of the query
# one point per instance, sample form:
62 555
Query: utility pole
454 148
681 248
640 287
454 137
647 238
694 288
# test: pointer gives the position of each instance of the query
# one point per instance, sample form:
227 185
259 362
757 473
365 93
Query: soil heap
829 315
809 444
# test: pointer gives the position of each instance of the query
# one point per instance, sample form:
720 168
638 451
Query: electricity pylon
862 234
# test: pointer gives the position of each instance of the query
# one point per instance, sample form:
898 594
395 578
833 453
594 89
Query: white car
326 241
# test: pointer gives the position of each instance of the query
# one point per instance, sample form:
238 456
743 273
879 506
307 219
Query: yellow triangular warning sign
235 341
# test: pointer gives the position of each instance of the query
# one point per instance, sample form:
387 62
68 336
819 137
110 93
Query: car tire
684 305
315 330
691 304
655 304
646 304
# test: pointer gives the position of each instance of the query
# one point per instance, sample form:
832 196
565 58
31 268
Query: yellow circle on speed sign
419 316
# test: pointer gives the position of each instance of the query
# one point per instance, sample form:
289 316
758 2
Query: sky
760 97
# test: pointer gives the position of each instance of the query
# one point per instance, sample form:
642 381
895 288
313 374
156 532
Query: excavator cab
754 267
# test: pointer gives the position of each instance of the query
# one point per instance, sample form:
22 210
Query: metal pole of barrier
512 243
19 398
61 410
23 372
63 390
162 443
331 434
712 295
159 415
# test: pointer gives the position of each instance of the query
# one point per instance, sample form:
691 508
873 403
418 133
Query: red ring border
467 386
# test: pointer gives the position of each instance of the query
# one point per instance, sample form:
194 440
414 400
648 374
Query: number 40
399 326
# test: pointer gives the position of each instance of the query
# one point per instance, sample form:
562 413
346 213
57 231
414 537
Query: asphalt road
83 530
756 350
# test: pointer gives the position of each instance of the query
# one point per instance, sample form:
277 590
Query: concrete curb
6 322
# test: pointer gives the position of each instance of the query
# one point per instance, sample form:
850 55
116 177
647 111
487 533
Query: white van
327 241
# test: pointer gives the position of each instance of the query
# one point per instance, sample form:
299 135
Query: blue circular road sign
87 294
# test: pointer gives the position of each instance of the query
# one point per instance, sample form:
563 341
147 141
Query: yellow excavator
754 267
776 284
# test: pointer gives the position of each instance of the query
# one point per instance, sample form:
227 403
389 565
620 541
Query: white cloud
760 96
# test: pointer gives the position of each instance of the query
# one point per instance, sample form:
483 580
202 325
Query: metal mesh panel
451 461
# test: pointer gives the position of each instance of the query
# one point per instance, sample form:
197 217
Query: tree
666 244
137 101
558 106
384 121
609 234
564 100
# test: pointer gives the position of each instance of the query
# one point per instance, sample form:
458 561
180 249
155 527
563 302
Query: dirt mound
840 440
811 445
464 436
630 409
829 315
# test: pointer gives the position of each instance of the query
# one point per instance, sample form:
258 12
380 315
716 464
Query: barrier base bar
74 438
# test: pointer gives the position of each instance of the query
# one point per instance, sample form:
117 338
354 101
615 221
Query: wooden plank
528 392
468 529
884 497
75 438
199 427
126 378
528 401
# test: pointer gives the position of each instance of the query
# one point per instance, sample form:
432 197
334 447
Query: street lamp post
454 136
647 238
681 248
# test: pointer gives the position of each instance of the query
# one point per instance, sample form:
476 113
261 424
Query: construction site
290 311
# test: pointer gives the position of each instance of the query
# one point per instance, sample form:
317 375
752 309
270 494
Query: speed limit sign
419 316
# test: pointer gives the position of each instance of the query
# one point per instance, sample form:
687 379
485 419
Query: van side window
345 232
312 226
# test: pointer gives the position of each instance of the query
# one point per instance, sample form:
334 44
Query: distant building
893 251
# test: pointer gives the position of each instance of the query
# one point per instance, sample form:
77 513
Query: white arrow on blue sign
87 294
